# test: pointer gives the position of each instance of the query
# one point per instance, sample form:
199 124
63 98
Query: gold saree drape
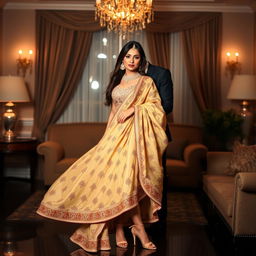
122 171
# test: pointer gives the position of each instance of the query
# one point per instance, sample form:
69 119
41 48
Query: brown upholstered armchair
65 144
186 156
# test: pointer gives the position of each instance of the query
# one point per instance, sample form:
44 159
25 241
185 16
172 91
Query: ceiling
242 2
157 3
93 1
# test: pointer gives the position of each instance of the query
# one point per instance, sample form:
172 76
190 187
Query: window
87 104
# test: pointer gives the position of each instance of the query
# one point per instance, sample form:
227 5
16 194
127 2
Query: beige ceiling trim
49 6
205 8
169 7
195 1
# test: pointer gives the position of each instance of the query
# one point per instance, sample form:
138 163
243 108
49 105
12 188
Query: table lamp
243 88
12 89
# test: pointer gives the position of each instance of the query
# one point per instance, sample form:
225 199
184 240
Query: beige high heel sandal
122 244
148 245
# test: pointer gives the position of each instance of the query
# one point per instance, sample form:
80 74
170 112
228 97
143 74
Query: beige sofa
234 197
66 142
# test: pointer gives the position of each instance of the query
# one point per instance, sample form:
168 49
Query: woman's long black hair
117 73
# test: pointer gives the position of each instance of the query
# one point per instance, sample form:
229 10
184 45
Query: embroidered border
92 217
153 192
90 246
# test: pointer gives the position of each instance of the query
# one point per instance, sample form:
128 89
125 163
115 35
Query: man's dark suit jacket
163 80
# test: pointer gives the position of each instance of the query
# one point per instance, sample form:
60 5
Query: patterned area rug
182 207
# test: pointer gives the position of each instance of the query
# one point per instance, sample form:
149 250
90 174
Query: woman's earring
122 67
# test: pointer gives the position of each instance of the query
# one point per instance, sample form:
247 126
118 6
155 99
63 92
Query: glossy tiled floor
51 238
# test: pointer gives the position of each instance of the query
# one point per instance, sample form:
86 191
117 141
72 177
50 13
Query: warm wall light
24 63
233 65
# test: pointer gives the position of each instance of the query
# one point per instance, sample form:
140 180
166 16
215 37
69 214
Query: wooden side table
19 146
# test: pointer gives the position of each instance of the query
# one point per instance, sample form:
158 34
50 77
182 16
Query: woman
120 178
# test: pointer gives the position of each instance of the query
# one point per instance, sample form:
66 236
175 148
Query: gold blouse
119 94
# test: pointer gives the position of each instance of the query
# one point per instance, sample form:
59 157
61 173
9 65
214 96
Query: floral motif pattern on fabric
122 171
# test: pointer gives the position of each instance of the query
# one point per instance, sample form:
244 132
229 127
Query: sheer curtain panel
87 104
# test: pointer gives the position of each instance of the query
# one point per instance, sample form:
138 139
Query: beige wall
1 38
19 32
238 35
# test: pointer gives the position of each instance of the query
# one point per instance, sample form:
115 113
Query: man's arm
165 88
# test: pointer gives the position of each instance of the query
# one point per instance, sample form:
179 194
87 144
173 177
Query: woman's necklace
127 78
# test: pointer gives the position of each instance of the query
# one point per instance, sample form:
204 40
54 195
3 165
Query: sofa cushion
243 159
175 148
217 178
220 189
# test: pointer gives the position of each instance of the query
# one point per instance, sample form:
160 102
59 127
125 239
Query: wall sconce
24 63
233 66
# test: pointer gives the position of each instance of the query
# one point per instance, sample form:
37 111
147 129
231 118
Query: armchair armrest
52 152
244 211
194 154
246 181
51 149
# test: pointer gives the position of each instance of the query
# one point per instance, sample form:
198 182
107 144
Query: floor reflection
51 238
118 252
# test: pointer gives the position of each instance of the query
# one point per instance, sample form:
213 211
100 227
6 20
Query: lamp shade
13 88
243 87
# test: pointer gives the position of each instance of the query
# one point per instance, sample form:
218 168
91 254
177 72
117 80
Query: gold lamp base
247 123
9 248
9 118
244 108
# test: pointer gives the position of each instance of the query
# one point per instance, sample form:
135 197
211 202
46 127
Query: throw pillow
243 159
176 148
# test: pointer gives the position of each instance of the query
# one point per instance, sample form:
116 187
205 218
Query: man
163 80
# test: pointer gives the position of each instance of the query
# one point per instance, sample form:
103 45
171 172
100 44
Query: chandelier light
124 16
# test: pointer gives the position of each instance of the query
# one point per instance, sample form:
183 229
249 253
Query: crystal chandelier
124 16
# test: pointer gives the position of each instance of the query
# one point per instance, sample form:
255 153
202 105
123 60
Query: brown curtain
202 54
254 44
159 48
170 22
201 36
63 40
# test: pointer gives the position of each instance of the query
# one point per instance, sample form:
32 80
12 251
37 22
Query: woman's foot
139 231
120 238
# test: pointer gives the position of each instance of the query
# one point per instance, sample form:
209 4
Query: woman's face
132 60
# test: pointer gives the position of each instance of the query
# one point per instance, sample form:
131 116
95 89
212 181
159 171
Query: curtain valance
75 20
164 22
170 22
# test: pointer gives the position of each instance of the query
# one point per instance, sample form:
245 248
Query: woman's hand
125 115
